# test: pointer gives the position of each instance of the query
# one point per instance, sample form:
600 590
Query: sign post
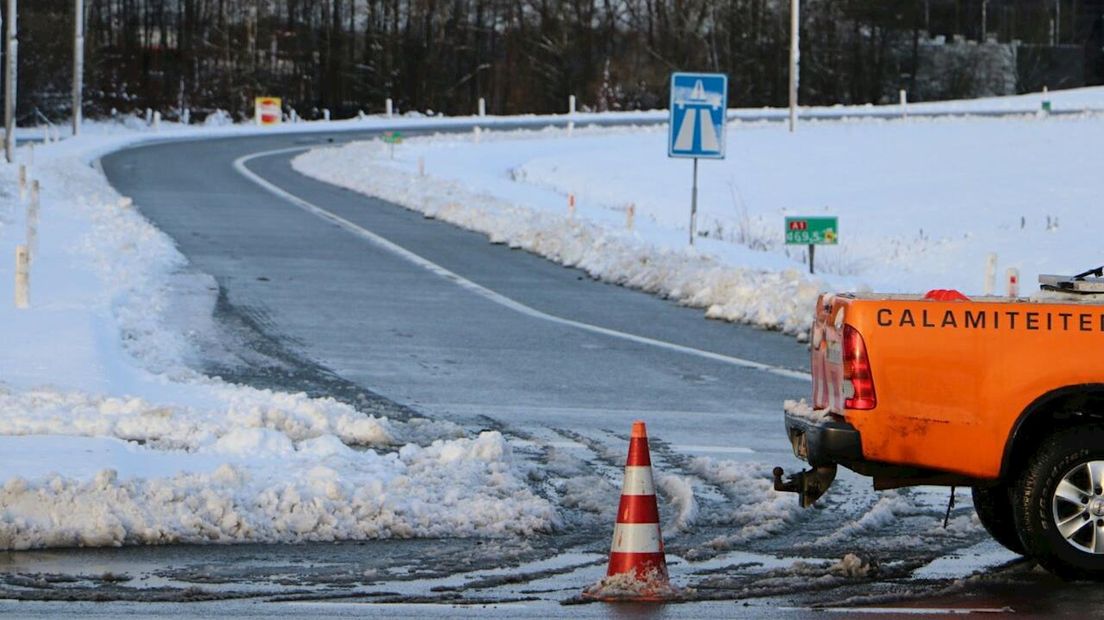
391 138
696 127
812 231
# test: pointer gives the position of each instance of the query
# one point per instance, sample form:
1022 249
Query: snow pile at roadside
107 438
169 427
258 485
771 299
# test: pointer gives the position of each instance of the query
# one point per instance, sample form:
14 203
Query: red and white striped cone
637 564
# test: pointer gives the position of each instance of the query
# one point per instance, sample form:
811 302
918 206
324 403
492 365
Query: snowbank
771 299
257 485
922 203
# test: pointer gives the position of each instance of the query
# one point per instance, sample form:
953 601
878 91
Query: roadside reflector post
1013 282
904 103
812 255
795 59
22 277
571 206
630 216
389 107
571 113
186 116
1046 101
47 137
326 114
990 273
11 53
149 116
32 228
482 107
157 121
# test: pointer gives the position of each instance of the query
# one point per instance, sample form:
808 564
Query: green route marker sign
812 231
393 137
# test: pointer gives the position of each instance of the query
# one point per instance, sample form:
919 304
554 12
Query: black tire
1064 455
993 505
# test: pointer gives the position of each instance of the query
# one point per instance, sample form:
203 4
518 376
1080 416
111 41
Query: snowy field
922 202
107 438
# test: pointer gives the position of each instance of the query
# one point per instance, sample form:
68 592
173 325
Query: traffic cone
637 565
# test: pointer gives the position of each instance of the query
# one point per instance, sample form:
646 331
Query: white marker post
149 117
571 206
326 114
571 113
78 63
1013 282
630 216
32 228
11 52
904 104
795 59
186 116
482 107
22 278
990 274
389 107
157 121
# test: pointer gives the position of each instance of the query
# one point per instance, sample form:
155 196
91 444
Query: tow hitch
809 484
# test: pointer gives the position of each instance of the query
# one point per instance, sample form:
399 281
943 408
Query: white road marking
498 298
918 611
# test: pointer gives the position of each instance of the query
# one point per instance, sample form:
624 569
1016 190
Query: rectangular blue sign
697 124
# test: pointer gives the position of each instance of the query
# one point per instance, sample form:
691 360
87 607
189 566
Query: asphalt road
412 336
486 337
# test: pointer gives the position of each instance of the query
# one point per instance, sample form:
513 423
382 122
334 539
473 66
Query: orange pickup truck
1004 395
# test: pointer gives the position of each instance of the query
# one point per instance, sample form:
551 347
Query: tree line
521 55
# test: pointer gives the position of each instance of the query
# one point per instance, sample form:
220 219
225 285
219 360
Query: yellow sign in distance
267 110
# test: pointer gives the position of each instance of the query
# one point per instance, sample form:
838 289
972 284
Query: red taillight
856 369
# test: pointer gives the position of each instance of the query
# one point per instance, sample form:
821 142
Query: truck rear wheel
994 509
1059 505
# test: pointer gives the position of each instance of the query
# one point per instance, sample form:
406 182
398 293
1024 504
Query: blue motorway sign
697 124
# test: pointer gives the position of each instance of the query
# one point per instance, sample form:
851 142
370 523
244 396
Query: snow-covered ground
922 202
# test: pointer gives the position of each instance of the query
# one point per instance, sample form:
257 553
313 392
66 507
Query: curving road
547 347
